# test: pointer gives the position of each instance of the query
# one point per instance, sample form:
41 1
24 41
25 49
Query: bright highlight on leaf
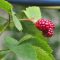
33 12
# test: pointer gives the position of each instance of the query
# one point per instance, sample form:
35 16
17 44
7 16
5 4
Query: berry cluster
46 26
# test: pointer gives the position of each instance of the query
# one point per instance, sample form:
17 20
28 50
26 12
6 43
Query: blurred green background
52 14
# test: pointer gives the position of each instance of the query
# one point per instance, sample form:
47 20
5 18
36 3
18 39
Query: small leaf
33 12
16 22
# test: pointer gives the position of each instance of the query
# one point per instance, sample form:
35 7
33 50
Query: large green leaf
5 6
16 22
36 42
33 12
26 51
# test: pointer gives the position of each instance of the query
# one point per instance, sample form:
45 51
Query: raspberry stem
30 20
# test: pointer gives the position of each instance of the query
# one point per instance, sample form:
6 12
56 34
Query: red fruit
46 26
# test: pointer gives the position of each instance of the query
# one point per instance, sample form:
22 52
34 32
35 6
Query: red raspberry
46 26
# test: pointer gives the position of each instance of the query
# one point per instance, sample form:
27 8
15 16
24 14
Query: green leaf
24 52
33 12
10 42
16 22
41 54
5 6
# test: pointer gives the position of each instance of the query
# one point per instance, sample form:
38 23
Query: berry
46 26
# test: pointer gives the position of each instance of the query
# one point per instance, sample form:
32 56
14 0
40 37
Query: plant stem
26 19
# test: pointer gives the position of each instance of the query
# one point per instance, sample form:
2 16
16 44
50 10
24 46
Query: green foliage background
26 42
